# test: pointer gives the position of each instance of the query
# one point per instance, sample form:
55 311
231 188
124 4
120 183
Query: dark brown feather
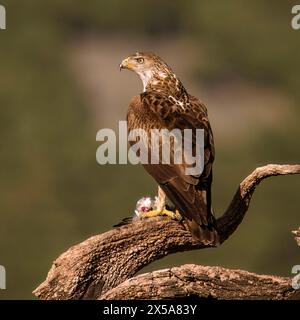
190 194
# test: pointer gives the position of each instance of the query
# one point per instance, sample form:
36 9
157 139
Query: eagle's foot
164 212
178 216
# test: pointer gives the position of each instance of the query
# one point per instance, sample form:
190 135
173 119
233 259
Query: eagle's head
152 70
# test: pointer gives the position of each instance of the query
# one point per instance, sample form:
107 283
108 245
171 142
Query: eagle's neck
145 76
162 82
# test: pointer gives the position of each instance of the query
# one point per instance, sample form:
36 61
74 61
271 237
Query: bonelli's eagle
165 104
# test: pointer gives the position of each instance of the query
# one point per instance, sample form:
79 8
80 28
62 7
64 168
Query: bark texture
96 267
196 281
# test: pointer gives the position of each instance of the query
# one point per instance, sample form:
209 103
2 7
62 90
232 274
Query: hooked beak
125 64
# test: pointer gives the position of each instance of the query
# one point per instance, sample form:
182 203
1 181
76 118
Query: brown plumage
165 104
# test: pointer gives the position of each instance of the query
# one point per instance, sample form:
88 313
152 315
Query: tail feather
204 234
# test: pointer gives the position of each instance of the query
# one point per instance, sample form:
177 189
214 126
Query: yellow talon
178 216
155 213
150 214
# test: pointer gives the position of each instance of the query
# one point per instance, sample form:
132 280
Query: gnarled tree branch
203 282
101 263
297 236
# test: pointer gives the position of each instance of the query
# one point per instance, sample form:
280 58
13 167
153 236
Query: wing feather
191 194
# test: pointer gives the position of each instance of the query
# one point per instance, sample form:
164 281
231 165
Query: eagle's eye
140 60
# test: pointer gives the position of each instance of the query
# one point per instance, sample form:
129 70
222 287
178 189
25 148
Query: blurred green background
60 84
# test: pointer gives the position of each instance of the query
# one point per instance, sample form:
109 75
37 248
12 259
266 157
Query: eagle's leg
160 208
161 199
